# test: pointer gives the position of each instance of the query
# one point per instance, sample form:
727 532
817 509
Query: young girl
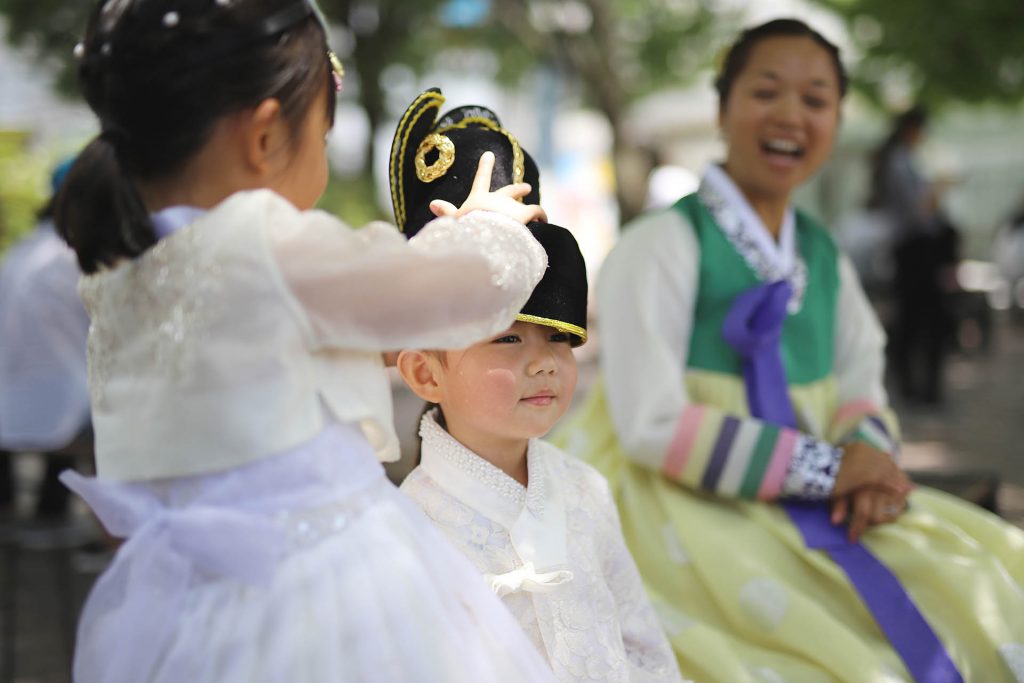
539 525
742 422
240 401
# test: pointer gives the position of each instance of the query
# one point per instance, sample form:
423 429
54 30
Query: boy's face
511 387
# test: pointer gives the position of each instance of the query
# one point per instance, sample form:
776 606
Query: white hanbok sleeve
863 406
456 282
646 296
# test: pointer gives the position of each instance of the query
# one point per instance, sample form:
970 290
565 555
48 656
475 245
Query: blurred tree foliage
939 51
49 29
619 50
22 180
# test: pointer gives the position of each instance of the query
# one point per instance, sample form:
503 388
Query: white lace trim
748 235
440 441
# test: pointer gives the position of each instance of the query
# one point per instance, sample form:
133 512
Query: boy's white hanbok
553 550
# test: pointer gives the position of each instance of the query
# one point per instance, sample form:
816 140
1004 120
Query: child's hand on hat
506 200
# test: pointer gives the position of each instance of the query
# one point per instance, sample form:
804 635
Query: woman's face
780 116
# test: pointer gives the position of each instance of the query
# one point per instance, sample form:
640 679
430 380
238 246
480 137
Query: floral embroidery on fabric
596 626
172 288
812 472
308 527
766 271
513 267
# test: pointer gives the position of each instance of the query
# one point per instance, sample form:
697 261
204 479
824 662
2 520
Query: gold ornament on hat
518 160
445 157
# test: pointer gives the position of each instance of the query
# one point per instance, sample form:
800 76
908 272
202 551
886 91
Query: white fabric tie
166 549
526 578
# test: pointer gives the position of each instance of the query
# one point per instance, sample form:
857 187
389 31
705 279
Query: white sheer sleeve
645 298
863 410
456 282
860 343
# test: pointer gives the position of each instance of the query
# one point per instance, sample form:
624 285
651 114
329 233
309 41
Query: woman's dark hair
159 74
914 118
739 53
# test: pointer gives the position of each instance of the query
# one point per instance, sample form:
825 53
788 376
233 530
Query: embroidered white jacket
554 551
246 332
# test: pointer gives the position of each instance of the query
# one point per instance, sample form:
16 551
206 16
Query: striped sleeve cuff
863 421
731 456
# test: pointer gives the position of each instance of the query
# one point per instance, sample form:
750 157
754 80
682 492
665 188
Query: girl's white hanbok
241 410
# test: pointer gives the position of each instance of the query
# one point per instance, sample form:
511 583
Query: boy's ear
264 133
421 371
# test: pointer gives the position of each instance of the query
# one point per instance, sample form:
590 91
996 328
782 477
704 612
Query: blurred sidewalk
45 574
980 426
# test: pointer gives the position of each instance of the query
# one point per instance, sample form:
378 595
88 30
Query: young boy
539 525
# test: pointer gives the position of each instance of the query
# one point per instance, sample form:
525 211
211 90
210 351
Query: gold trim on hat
518 161
445 157
398 155
557 324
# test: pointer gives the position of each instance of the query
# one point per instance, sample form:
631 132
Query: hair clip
171 19
222 3
337 70
79 51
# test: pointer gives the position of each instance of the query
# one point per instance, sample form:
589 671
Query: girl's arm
457 281
646 296
859 367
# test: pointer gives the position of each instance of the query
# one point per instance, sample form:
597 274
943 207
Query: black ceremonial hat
560 298
435 157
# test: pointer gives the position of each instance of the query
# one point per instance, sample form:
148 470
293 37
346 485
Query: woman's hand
867 507
866 466
506 200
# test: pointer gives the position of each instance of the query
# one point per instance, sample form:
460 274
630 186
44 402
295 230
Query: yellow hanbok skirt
744 601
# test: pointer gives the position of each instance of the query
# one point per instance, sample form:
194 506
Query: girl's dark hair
739 53
159 74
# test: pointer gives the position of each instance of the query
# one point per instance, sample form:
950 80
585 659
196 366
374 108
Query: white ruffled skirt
307 566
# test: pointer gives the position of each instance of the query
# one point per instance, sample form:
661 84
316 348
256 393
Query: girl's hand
866 466
866 508
506 200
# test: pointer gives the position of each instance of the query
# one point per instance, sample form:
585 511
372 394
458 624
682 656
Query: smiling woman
741 420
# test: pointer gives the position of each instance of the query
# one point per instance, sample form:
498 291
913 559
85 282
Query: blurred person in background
925 249
44 394
742 422
1008 254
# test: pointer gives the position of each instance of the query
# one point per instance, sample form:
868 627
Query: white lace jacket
554 551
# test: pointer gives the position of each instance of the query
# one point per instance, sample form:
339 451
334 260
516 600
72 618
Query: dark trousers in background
53 499
925 323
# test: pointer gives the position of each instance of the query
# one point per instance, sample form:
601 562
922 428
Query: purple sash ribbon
753 328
